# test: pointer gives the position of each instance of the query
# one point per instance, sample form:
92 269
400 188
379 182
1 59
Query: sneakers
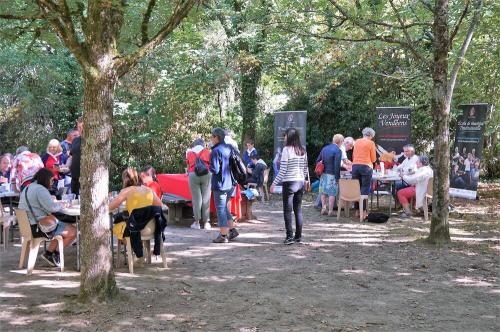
221 239
195 225
233 234
405 215
48 257
288 241
207 225
297 239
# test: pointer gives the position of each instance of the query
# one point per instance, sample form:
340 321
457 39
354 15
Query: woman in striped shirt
292 173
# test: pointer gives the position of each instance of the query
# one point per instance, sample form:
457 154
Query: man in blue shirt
222 185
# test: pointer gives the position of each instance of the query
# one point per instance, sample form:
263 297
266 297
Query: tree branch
405 32
21 17
181 10
385 38
461 55
457 26
145 21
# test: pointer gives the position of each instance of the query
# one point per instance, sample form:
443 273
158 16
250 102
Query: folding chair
428 196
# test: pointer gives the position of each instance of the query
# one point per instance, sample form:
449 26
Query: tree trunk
439 231
251 72
97 276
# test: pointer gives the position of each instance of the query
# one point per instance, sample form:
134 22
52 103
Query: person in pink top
24 167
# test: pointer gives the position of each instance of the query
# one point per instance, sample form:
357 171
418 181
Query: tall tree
91 31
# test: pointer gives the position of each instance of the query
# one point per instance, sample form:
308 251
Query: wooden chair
349 191
147 234
6 221
30 244
428 196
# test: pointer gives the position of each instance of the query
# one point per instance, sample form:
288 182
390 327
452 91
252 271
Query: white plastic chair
428 196
147 234
30 244
349 191
6 221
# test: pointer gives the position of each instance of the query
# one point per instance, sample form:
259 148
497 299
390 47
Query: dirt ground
347 276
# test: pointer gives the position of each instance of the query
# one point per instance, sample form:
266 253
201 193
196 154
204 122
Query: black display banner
285 120
393 130
466 155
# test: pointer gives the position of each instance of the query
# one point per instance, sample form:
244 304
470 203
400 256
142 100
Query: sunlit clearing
468 281
51 306
5 294
404 274
418 291
166 317
297 256
259 236
472 239
45 283
353 271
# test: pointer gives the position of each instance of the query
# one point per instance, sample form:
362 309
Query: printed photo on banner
466 155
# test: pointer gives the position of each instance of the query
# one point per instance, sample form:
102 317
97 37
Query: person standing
199 185
222 185
328 183
76 152
292 174
364 156
66 144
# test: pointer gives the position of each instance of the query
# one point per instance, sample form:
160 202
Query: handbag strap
28 202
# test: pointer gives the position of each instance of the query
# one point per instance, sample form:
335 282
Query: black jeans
292 200
363 173
75 186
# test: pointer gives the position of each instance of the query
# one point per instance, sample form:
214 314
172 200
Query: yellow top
138 199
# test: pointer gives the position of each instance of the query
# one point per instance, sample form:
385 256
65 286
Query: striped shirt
292 166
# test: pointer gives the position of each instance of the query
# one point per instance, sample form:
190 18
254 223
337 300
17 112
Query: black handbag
377 217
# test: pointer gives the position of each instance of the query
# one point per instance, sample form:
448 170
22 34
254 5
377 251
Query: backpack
200 168
377 217
237 167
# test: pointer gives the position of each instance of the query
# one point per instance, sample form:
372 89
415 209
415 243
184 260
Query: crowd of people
209 168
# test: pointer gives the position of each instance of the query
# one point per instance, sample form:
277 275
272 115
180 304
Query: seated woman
53 158
418 186
148 178
43 207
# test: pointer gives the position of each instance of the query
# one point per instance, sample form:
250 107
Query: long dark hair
293 140
44 177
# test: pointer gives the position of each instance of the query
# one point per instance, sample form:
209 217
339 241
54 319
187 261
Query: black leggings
292 200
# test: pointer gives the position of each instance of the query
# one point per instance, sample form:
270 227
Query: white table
389 177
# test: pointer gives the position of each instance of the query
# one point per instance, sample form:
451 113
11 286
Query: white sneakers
195 225
207 225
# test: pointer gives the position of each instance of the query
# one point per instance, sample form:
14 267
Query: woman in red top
199 184
148 178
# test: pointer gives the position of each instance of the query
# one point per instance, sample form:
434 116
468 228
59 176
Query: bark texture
439 232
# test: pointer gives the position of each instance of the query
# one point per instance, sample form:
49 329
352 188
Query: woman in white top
292 173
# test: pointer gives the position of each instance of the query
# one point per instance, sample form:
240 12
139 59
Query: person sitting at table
24 167
199 185
364 156
148 178
36 200
139 203
257 177
417 180
5 165
408 165
53 158
328 182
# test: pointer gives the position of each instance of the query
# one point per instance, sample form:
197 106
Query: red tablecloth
178 184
